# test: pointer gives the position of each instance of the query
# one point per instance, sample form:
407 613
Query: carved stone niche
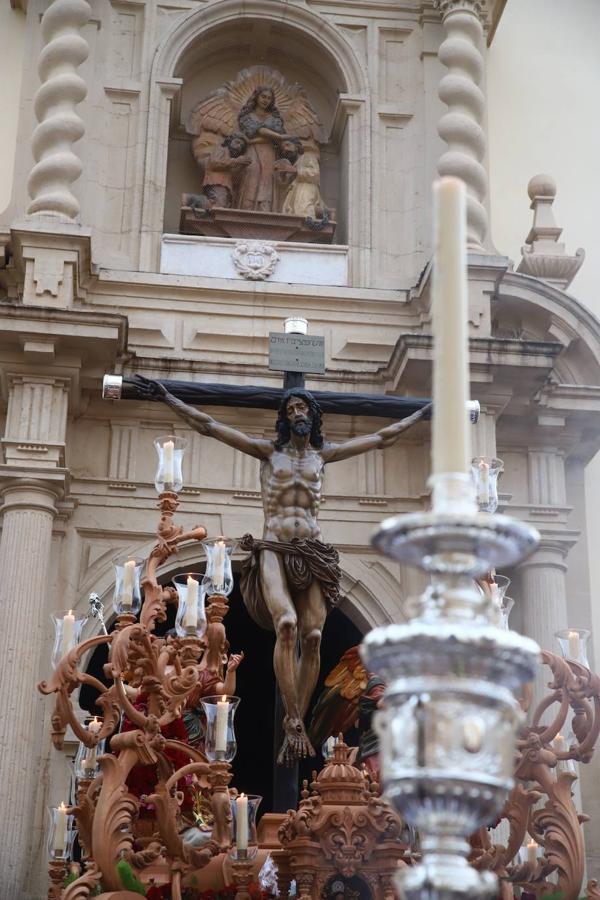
257 142
344 839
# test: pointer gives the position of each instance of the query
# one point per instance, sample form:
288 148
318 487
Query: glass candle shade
505 611
86 759
573 644
243 813
328 748
67 633
169 475
485 471
220 743
127 598
190 620
61 833
219 577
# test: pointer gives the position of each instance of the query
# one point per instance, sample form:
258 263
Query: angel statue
270 113
350 697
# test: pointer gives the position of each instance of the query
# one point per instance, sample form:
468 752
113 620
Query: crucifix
290 579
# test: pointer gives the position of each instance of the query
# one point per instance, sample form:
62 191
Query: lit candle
128 583
483 494
221 725
559 744
532 850
190 616
574 644
168 462
451 450
68 632
60 831
219 576
241 822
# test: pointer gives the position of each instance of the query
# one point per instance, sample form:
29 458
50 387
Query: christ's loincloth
304 561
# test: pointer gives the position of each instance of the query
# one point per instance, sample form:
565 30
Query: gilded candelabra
128 839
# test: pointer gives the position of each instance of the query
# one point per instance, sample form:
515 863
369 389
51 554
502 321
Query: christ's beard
301 429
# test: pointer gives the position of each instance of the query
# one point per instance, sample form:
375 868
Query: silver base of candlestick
447 730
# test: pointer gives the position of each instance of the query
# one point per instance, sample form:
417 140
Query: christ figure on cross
290 580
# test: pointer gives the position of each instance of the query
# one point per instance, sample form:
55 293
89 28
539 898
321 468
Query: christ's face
298 415
264 99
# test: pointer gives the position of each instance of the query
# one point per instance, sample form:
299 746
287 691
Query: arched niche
208 47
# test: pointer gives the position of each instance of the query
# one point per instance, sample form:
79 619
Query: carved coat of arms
255 260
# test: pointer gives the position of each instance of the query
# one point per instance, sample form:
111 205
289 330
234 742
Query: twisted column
25 548
62 88
461 126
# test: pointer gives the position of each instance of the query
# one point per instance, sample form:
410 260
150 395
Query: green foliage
128 879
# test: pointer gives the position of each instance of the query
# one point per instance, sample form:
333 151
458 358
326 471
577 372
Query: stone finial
461 126
62 88
543 255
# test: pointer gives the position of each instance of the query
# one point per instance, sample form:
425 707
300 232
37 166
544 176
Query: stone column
543 577
29 509
62 88
461 126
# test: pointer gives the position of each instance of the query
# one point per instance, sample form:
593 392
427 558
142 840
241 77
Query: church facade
190 174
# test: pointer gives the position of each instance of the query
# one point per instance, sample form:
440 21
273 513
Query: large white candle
219 576
221 725
60 831
451 451
68 632
190 616
574 644
128 583
241 822
168 462
532 851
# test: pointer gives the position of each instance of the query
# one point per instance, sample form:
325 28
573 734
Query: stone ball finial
541 186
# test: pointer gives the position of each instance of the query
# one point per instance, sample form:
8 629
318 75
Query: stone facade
84 292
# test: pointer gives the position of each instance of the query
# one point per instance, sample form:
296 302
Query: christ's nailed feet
296 744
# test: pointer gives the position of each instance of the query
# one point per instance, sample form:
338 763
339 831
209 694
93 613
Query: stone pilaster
36 420
25 545
461 127
62 88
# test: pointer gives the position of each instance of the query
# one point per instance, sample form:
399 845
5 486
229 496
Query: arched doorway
253 767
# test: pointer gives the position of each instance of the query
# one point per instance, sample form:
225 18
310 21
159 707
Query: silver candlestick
447 730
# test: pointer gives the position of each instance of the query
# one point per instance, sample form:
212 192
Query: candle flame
62 806
573 634
242 795
224 698
70 612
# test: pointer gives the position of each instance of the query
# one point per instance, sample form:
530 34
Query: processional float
452 739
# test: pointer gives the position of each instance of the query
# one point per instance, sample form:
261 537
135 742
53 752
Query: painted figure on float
290 580
279 124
